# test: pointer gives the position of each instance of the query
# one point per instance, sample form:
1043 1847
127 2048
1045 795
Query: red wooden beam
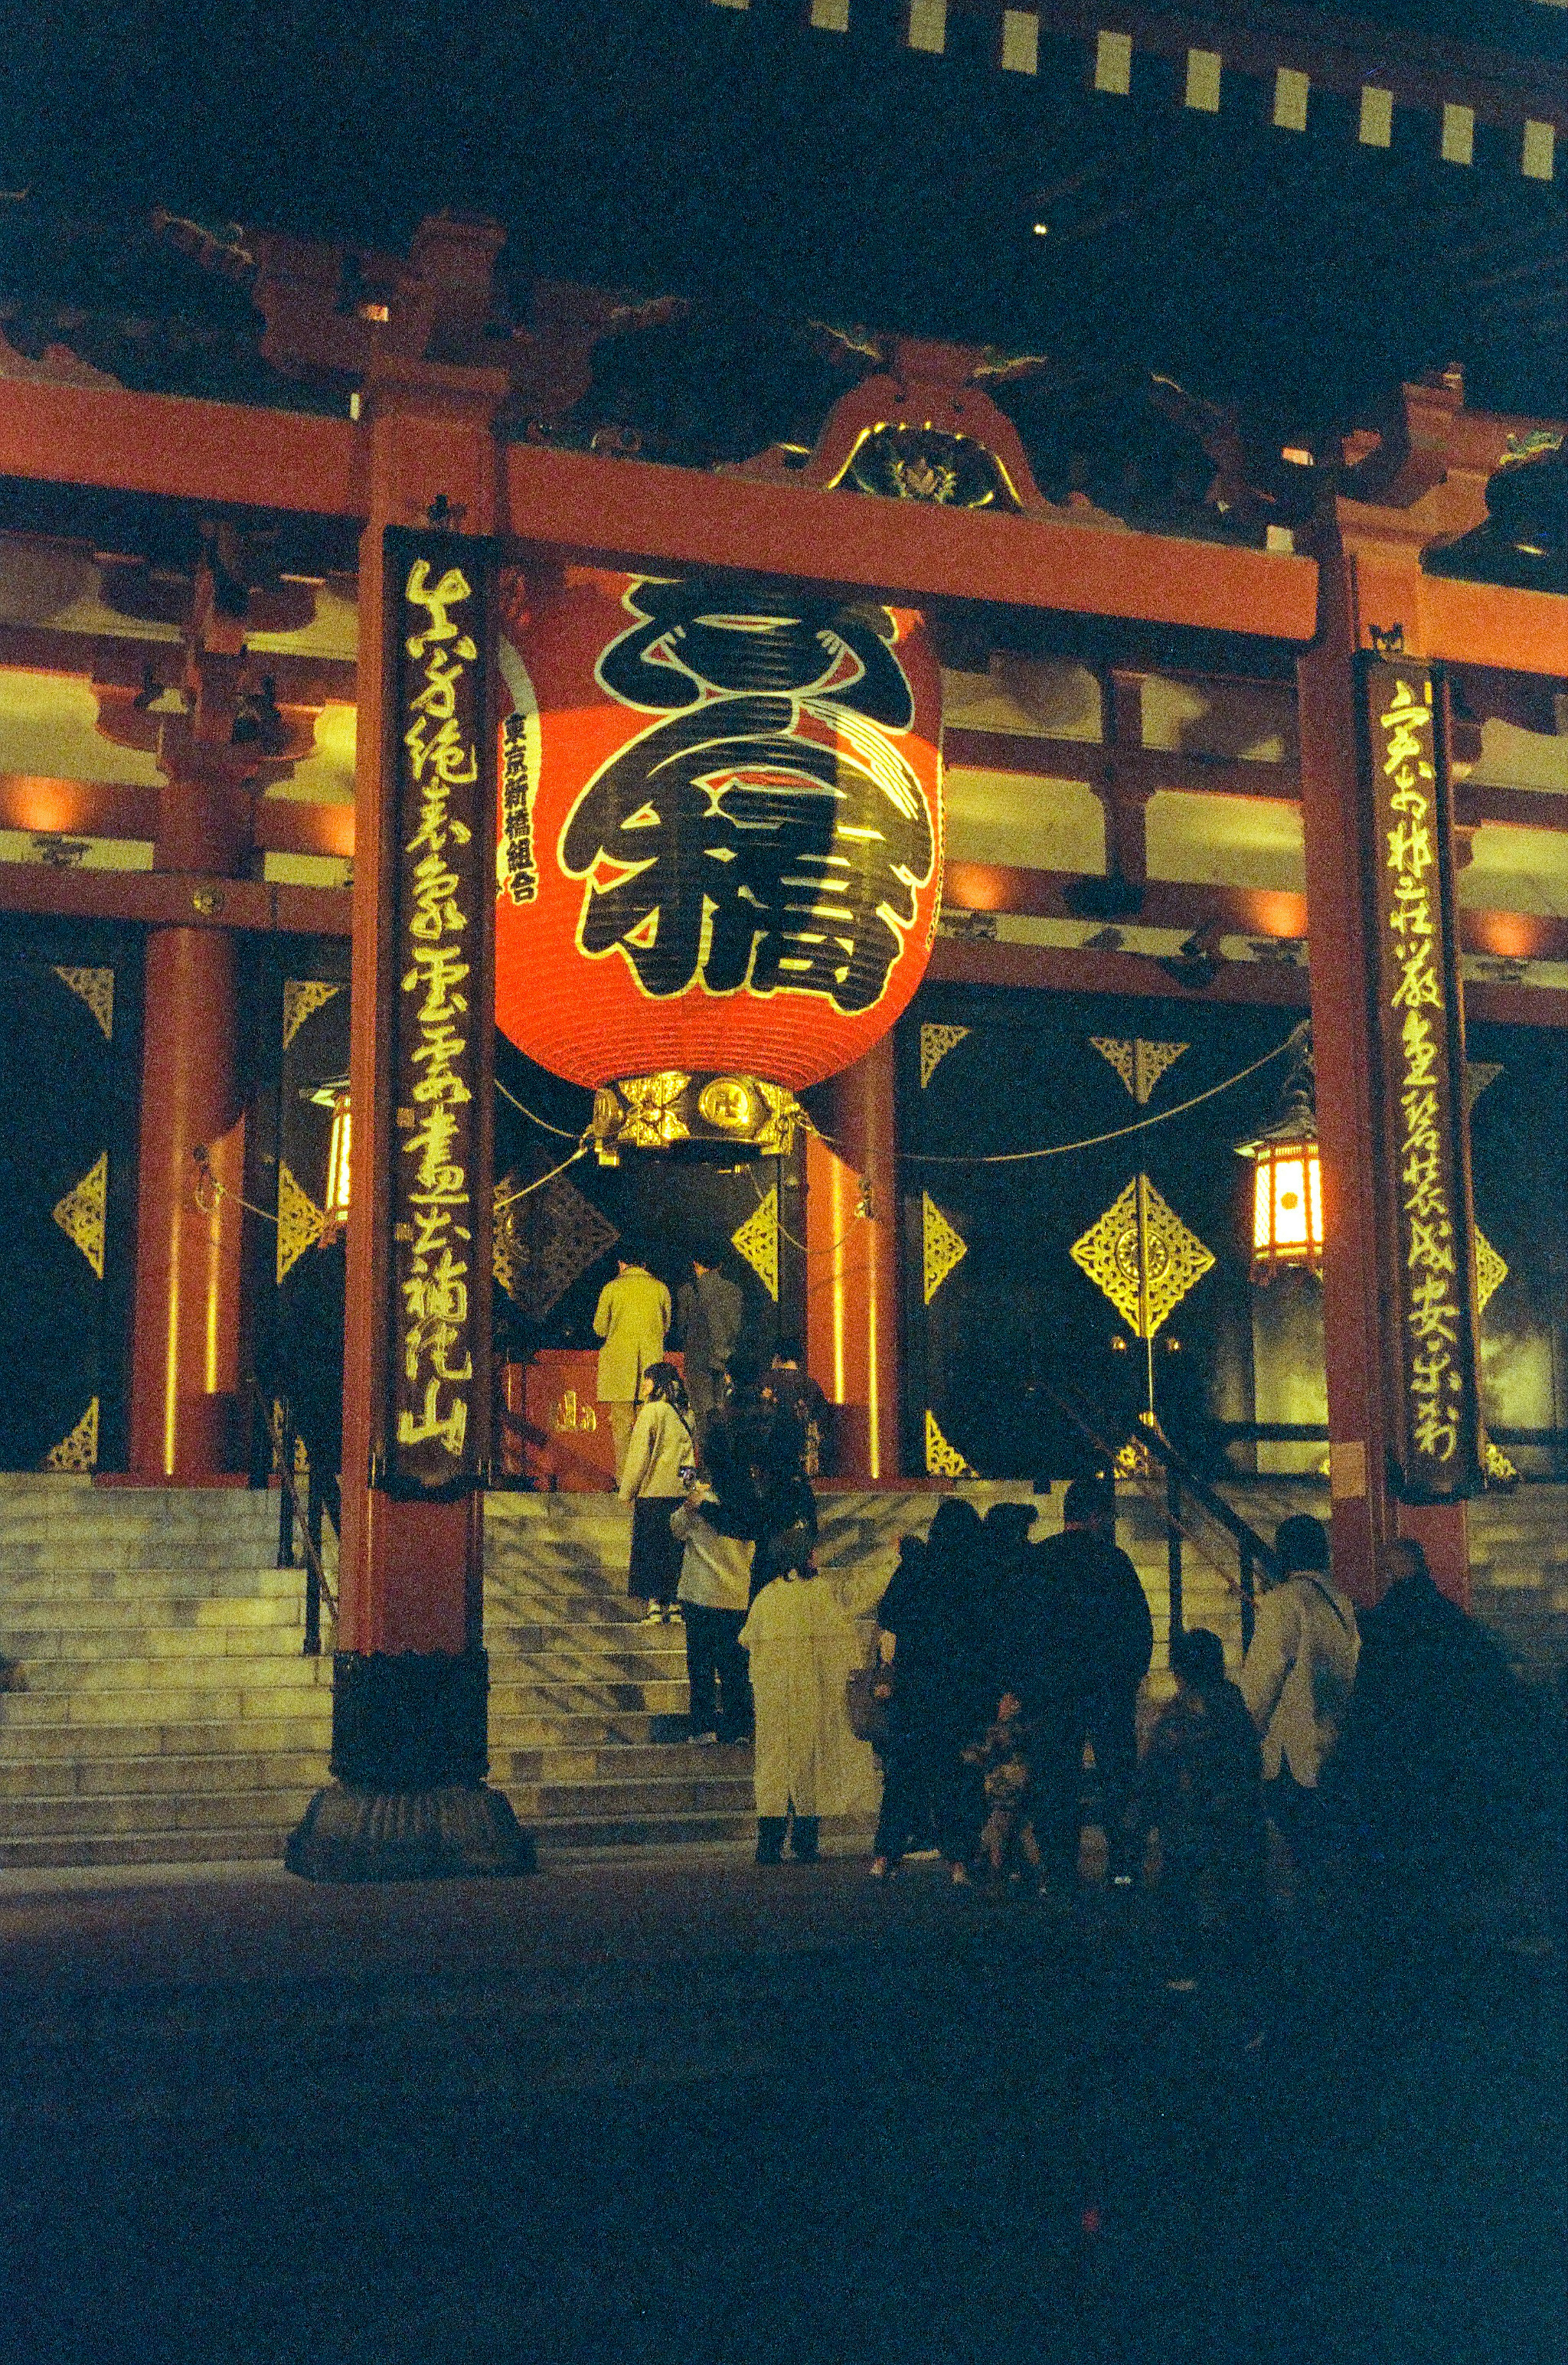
166 897
181 450
1167 903
630 513
1060 969
109 809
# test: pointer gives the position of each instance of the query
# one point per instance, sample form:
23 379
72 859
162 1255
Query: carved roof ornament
1523 546
332 311
921 426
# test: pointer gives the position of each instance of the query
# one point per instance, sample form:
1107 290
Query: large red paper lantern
719 843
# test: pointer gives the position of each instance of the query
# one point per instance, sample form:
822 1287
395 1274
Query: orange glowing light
337 1198
1287 1194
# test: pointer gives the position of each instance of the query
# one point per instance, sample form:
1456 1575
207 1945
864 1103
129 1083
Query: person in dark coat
709 1311
1200 1786
939 1686
1093 1640
1437 1778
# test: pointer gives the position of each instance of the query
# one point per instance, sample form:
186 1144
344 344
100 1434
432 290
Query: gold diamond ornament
545 1239
95 987
1491 1270
77 1452
300 1222
1139 1065
757 1241
941 1247
80 1214
942 1460
936 1042
302 997
1142 1255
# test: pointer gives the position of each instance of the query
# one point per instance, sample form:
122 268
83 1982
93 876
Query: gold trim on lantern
666 1110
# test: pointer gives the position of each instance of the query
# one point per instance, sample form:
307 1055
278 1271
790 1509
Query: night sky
762 169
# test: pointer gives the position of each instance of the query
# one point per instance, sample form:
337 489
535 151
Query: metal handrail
293 1514
1253 1555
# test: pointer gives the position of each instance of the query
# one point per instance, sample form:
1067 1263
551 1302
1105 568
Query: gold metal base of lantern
701 1114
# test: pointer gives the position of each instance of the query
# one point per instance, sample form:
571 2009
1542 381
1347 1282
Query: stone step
623 1802
220 1844
165 1663
68 1818
654 1762
92 1630
139 1705
145 1592
642 1831
161 1776
568 1698
67 1739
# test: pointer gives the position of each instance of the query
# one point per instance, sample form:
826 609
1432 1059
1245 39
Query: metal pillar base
410 1800
445 1834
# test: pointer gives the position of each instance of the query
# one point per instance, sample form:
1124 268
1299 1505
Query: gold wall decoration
80 1214
941 1247
942 1460
96 989
544 1242
1139 1065
1478 1074
1499 1470
302 997
79 1450
1142 1255
936 1042
757 1241
1491 1270
300 1222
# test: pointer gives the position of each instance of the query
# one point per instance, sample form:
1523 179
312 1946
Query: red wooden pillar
185 1368
409 1678
1365 1517
852 1273
185 1358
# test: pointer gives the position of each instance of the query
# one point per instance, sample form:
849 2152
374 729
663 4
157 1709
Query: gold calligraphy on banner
1421 1034
440 1021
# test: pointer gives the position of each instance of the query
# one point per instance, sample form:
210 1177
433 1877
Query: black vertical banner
435 1353
1427 1231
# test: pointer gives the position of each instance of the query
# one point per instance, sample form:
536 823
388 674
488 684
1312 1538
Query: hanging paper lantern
721 845
1287 1193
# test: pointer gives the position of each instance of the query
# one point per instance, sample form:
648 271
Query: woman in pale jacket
1297 1678
654 1479
803 1647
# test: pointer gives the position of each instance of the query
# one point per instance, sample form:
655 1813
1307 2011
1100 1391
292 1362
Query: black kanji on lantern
769 835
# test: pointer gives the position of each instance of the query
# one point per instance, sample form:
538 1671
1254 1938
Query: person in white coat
1298 1677
803 1647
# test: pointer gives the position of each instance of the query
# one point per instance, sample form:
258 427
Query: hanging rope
581 1151
208 1182
542 1122
1297 1036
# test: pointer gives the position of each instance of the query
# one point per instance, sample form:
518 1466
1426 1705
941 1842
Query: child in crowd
1003 1755
1200 1788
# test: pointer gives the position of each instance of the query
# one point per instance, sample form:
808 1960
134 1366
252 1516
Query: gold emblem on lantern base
673 1110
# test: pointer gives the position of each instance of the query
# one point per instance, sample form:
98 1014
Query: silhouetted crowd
1395 1747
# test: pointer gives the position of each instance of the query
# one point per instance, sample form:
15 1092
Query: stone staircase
165 1713
589 1705
162 1710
